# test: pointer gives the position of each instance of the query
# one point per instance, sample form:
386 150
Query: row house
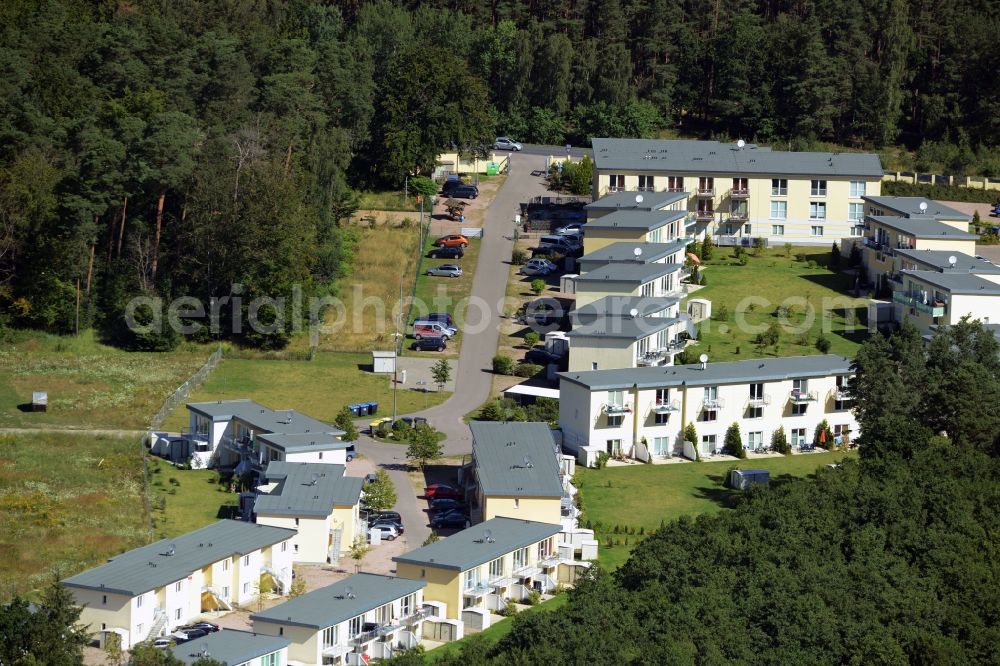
634 252
628 342
639 280
232 647
362 617
642 412
744 190
933 298
634 226
149 591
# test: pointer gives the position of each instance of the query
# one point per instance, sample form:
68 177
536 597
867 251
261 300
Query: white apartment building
642 412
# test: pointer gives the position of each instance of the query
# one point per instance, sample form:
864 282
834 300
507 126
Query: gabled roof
732 372
501 450
470 547
304 442
637 220
149 567
331 605
968 284
635 273
712 157
910 207
229 646
650 200
941 260
307 489
623 327
922 227
262 418
624 252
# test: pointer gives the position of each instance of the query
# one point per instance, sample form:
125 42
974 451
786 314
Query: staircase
159 622
335 547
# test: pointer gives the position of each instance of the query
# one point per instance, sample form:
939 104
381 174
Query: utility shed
741 479
384 362
39 401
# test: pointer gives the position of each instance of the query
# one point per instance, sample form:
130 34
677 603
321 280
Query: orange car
455 240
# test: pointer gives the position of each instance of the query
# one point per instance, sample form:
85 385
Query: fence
185 389
971 182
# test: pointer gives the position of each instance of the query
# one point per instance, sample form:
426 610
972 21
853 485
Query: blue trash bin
364 408
372 407
355 409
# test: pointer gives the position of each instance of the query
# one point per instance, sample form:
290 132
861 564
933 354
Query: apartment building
642 412
639 280
635 252
627 342
234 648
478 569
934 298
743 190
149 591
364 614
317 501
638 200
634 226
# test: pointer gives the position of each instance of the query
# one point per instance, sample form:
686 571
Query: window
296 522
800 385
246 560
646 184
709 415
517 503
662 396
756 391
521 556
755 441
857 189
496 568
225 592
799 408
798 436
648 289
706 186
858 230
177 586
614 447
655 236
779 210
470 578
225 565
270 660
296 547
755 412
779 187
855 212
711 395
816 231
708 443
747 229
138 601
407 605
138 628
281 631
354 626
661 419
817 210
740 186
320 455
777 230
593 365
331 636
246 588
284 546
616 183
661 446
544 548
104 599
383 614
177 614
818 188
675 184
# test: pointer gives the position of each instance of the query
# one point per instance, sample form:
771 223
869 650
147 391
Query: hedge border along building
740 190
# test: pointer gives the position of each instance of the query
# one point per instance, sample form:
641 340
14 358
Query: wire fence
182 392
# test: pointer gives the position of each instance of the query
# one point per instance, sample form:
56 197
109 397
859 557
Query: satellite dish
633 312
171 549
527 462
349 592
638 198
703 358
637 251
923 206
953 260
204 649
741 143
488 536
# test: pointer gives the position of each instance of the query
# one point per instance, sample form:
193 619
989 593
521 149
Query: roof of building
650 200
732 372
941 260
637 273
149 567
229 646
306 441
341 601
260 417
638 220
470 547
628 328
957 283
622 306
307 489
910 207
922 227
712 157
624 252
515 459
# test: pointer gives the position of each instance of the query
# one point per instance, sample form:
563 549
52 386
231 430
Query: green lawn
67 503
185 500
816 297
90 385
641 497
319 388
496 631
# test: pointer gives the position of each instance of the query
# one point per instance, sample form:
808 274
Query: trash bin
365 411
372 407
355 409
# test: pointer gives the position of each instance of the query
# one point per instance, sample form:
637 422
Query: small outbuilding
39 401
741 479
384 362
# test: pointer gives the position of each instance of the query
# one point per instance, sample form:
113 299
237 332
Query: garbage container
365 408
355 409
372 407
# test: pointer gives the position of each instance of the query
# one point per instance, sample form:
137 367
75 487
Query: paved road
481 334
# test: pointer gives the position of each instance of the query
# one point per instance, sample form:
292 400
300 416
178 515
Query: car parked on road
506 143
446 270
431 329
449 519
430 343
452 240
574 229
386 532
442 490
456 252
445 504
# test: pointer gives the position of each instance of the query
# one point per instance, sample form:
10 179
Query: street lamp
395 371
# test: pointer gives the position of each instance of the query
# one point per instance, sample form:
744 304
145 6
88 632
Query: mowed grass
816 299
641 497
89 385
436 293
67 503
319 388
185 500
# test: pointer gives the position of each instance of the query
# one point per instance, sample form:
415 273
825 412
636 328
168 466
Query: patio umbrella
822 436
694 258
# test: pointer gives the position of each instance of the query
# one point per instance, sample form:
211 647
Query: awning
536 391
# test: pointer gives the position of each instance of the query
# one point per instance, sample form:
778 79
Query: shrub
531 339
788 249
721 313
519 257
759 245
503 365
779 441
823 344
827 435
744 260
707 247
702 281
601 460
527 369
509 609
835 256
533 598
734 442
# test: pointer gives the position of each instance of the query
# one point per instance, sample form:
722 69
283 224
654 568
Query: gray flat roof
957 283
297 495
229 646
500 450
941 260
732 372
262 418
922 227
622 306
650 200
624 252
637 273
302 442
910 206
636 220
469 548
331 605
149 567
622 327
712 157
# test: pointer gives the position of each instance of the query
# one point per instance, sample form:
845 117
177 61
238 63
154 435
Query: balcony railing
336 650
840 394
651 358
194 435
365 637
759 400
477 590
666 406
550 561
798 396
704 215
527 570
934 308
739 193
646 189
713 403
614 409
675 189
739 215
705 191
615 188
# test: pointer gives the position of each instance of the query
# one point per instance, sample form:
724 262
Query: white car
575 229
506 143
386 532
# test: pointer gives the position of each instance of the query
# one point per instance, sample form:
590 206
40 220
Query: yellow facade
443 585
598 239
539 509
314 539
305 640
114 613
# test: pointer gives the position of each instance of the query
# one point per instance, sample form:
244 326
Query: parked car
441 318
456 252
452 240
464 192
430 343
506 143
164 643
384 517
449 519
442 490
431 329
574 229
538 266
449 331
183 636
450 185
387 532
446 504
207 626
446 270
540 357
565 243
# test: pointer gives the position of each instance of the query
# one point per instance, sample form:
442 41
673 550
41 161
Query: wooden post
90 265
78 307
156 237
121 228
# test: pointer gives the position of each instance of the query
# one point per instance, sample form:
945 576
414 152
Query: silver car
506 143
445 270
575 229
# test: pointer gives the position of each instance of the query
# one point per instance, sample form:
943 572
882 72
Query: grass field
442 294
67 502
643 496
319 388
815 297
90 385
185 500
388 200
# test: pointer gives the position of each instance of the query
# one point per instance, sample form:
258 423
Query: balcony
704 215
675 189
365 636
242 445
712 403
666 406
527 570
645 189
501 582
615 188
799 397
335 651
934 308
759 400
652 358
477 591
417 616
739 193
739 215
705 191
550 561
840 394
613 409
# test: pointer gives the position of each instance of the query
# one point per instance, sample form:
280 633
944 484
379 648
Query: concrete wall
606 352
